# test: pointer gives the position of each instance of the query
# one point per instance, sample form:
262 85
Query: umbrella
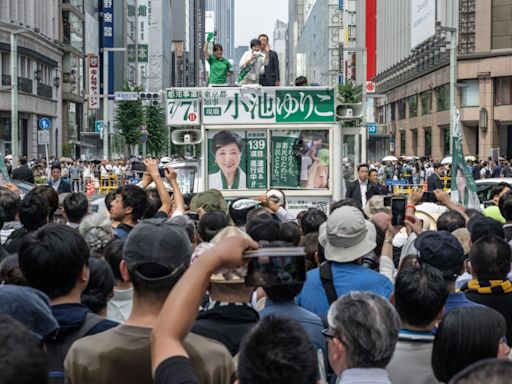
446 160
470 158
411 157
389 158
501 158
66 159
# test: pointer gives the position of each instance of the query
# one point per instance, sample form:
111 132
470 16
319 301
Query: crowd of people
160 289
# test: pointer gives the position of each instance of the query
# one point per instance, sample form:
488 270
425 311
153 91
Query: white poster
423 20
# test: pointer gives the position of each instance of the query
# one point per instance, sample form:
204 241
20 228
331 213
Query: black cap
480 226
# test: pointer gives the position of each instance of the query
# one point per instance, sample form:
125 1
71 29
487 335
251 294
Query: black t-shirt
175 370
160 215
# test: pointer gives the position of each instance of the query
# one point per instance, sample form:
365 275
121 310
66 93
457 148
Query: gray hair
97 231
368 326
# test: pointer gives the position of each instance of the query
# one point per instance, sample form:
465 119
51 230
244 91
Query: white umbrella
470 158
389 158
411 157
446 160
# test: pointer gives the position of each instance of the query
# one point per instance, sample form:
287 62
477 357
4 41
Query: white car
484 186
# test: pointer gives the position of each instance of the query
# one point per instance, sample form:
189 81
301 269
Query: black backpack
58 346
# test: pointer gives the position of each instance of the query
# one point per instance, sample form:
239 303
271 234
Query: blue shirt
347 277
458 299
311 323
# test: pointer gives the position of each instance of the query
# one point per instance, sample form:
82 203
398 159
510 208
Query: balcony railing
44 90
24 84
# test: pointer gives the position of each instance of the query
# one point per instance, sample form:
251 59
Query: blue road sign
372 128
98 126
45 123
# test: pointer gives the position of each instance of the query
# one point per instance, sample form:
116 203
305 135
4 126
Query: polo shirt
347 277
219 69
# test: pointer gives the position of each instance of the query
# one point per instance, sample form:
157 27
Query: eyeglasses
328 335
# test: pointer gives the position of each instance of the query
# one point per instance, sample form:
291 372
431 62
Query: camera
269 267
139 166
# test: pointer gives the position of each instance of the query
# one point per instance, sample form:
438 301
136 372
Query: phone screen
398 210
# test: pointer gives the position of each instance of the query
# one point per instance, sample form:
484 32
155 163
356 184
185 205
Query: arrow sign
45 123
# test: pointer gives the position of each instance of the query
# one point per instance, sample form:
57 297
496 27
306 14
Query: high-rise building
280 44
40 71
224 16
239 52
295 26
413 73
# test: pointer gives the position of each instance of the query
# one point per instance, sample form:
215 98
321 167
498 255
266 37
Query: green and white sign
260 105
285 165
183 107
256 143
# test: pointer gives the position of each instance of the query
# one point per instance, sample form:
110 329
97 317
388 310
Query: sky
253 17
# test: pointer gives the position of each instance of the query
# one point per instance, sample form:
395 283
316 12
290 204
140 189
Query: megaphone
186 136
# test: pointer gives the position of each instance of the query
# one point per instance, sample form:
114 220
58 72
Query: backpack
58 346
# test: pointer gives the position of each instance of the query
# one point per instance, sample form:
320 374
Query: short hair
311 220
100 286
217 47
347 202
450 221
211 223
363 165
56 166
368 325
22 360
373 170
263 227
23 161
290 232
134 197
301 81
97 232
113 254
505 205
310 244
109 198
254 42
222 138
490 258
33 211
76 206
453 349
154 204
497 189
52 259
262 35
9 203
50 195
491 371
10 272
420 294
277 350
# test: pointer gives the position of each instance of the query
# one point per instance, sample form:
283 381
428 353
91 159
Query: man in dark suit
374 187
23 172
358 188
57 183
271 76
434 180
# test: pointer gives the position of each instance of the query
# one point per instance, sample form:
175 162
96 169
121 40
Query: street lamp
106 51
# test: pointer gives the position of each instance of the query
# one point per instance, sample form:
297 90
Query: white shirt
55 185
364 188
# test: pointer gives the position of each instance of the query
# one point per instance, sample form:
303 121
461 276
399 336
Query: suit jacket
271 74
434 182
376 189
64 186
354 192
23 173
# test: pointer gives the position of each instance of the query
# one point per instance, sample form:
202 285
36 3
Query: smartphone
138 166
488 204
398 210
270 267
193 215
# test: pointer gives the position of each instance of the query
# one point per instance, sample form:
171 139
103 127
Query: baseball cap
157 242
277 196
346 235
480 226
441 250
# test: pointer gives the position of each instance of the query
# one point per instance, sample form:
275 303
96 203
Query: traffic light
347 112
153 98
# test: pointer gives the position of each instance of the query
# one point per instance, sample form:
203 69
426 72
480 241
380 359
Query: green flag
4 174
463 184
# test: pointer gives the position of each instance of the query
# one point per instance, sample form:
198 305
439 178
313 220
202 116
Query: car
484 187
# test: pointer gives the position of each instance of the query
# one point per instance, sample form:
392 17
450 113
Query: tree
350 93
130 117
157 131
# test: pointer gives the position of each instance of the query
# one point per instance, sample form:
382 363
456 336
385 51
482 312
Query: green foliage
157 131
67 149
130 117
350 93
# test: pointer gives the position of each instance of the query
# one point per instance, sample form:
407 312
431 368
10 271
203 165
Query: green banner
4 174
285 164
256 144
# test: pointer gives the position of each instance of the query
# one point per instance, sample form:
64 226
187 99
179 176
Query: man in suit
374 187
60 185
358 188
23 172
434 180
271 76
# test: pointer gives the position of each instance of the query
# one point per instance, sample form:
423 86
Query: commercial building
280 44
224 24
39 68
413 73
295 26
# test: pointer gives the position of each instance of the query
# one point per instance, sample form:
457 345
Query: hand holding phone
398 205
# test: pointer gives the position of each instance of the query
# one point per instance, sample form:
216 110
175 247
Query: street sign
45 123
98 126
370 87
43 137
372 128
126 96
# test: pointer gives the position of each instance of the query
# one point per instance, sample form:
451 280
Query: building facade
39 68
415 78
280 44
224 21
295 26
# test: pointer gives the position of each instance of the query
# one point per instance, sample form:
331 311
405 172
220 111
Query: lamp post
14 96
106 130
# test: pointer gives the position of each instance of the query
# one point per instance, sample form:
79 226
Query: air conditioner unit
186 137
